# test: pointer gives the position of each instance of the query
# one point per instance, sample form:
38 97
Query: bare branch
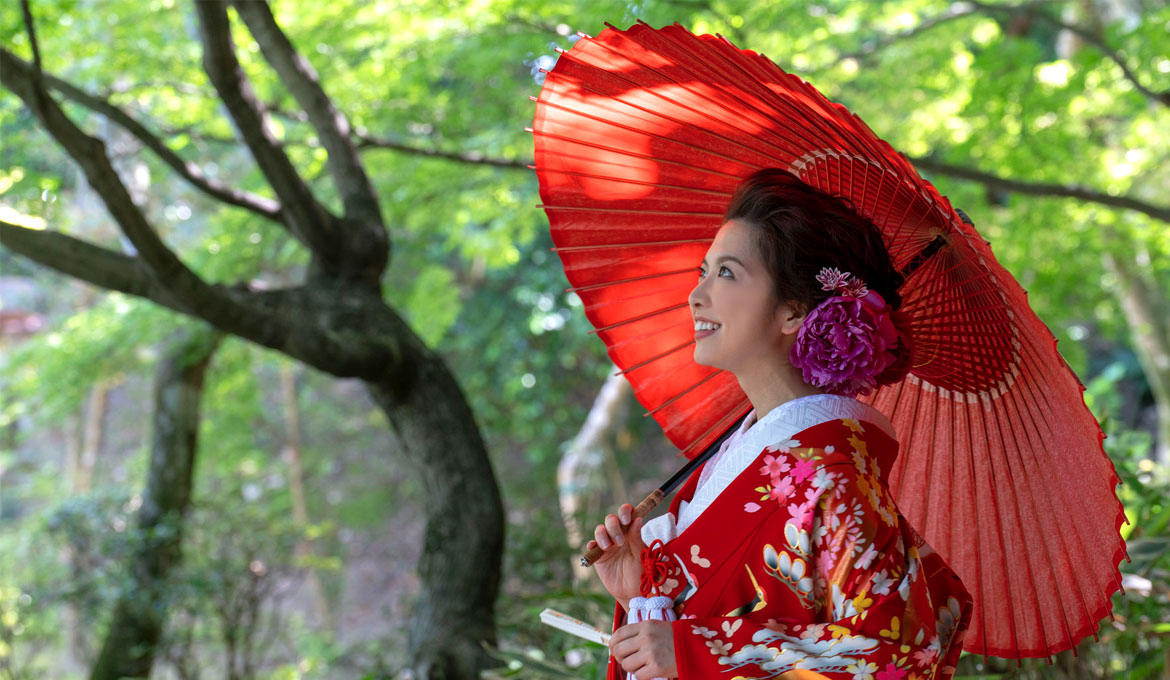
90 154
1089 37
265 207
299 76
923 163
473 157
1158 212
869 48
957 10
306 218
30 28
278 314
90 263
236 312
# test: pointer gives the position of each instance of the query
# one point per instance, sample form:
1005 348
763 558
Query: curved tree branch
1089 37
265 207
306 218
957 10
90 154
471 157
283 326
349 175
87 262
1158 212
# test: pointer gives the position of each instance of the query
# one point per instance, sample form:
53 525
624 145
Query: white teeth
706 326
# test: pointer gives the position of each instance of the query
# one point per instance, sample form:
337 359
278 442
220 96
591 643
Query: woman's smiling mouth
703 328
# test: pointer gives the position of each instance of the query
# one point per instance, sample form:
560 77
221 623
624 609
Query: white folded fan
552 617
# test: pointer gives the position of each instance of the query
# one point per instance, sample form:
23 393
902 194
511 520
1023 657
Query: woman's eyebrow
722 258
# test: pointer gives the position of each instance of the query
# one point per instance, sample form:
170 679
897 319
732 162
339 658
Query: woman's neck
774 385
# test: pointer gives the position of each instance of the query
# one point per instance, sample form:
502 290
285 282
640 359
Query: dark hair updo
799 230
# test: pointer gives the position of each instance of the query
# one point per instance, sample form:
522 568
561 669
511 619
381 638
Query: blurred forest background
261 343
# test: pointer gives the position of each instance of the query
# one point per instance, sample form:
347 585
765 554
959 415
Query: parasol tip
559 49
530 167
532 98
528 129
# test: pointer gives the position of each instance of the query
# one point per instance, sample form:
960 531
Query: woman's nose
697 295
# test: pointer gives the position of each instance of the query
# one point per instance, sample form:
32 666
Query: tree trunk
139 614
336 320
1148 316
463 547
582 463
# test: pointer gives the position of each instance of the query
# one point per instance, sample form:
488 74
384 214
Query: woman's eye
721 270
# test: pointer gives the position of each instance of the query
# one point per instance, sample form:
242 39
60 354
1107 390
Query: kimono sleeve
870 609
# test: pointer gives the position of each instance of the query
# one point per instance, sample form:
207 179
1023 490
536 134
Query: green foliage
1136 642
472 273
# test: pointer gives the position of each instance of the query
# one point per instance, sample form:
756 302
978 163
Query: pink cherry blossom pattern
803 470
891 672
774 466
782 488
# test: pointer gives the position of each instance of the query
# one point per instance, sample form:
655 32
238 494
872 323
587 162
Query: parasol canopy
641 135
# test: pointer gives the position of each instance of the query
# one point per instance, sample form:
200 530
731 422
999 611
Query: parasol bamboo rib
1000 523
610 246
654 114
641 156
1058 500
681 394
652 359
658 185
733 111
1000 414
1048 561
608 284
643 317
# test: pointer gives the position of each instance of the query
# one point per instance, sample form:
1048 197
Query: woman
785 552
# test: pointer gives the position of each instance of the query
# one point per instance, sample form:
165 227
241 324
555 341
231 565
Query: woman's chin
702 360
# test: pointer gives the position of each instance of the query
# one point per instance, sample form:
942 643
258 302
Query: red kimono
789 558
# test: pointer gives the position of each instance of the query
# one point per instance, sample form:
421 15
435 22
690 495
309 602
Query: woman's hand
645 649
620 567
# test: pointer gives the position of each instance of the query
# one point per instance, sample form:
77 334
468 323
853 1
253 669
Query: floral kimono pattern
803 567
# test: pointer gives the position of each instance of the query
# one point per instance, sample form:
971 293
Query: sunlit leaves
433 303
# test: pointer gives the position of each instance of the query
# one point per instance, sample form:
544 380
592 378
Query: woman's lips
699 335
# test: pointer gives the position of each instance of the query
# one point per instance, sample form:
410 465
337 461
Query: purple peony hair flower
848 340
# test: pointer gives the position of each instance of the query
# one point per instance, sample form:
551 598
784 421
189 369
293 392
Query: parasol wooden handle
642 510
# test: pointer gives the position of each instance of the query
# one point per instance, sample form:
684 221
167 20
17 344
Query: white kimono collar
745 445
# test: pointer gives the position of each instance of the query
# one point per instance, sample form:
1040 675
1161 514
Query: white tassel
657 608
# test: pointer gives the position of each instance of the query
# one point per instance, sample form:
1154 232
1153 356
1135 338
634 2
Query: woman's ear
789 318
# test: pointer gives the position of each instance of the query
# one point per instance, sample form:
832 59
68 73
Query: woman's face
735 293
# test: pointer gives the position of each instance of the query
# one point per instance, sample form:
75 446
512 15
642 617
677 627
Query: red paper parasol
641 136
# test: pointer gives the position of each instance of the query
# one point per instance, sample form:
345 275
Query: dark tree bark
140 612
460 567
336 321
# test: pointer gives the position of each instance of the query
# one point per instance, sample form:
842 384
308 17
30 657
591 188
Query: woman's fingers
602 537
615 528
